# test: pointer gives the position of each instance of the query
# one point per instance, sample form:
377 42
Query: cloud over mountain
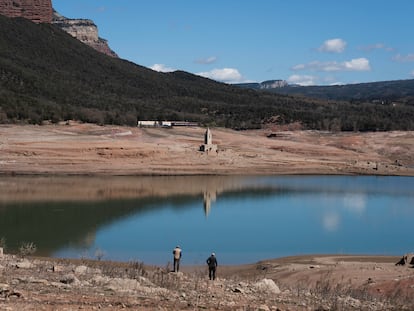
356 64
161 68
227 75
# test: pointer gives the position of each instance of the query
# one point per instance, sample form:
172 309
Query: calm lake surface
241 219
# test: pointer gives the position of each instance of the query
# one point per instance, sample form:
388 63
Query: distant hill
384 91
46 74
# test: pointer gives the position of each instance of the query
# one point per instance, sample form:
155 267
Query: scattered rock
25 264
349 301
57 284
57 268
119 285
268 286
8 293
1 252
238 290
70 279
81 270
263 308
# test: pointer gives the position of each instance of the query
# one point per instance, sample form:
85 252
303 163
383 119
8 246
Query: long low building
147 123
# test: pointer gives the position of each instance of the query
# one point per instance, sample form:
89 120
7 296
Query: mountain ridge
368 91
47 75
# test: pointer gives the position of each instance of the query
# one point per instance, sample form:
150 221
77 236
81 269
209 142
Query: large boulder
268 286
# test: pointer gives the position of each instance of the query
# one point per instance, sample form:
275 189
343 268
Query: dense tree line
45 74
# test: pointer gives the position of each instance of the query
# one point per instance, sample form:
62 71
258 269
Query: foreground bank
293 283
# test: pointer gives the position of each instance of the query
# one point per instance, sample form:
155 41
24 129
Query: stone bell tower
208 145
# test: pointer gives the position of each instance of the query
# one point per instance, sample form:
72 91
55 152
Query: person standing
177 252
212 266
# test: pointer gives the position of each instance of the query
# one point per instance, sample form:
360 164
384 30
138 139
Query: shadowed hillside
45 74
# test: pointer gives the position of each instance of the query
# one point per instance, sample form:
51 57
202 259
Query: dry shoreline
87 149
320 282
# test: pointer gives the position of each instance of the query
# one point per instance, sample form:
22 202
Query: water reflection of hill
54 212
84 188
54 225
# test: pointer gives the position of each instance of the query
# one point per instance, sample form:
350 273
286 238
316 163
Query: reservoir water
243 219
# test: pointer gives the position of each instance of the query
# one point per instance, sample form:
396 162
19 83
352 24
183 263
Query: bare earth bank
93 150
293 283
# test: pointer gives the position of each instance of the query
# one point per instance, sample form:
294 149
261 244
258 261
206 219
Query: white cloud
333 46
357 64
412 73
404 58
206 61
227 75
304 80
161 68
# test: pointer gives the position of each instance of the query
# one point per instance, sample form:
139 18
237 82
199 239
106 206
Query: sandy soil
305 283
94 150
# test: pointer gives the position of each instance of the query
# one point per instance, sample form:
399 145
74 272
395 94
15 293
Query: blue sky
308 42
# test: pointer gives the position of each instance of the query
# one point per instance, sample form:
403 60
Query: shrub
27 248
3 242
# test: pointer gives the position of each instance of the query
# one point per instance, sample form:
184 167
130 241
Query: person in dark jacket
177 252
212 266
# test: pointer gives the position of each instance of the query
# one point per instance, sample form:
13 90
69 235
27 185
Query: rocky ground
294 283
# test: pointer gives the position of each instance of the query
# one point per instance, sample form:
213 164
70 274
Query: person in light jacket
212 266
177 252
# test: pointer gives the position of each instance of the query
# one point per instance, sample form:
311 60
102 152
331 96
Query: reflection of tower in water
209 196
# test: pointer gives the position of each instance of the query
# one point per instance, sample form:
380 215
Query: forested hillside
45 74
384 91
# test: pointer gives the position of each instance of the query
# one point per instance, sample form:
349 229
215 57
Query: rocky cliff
39 11
273 84
85 31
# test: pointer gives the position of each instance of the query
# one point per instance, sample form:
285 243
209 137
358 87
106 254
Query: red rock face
38 11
